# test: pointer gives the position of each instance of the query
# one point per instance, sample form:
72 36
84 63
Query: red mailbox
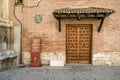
35 52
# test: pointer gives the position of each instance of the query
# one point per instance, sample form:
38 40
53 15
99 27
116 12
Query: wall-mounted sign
35 52
38 18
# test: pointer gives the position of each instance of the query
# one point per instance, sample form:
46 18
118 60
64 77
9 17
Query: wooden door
78 43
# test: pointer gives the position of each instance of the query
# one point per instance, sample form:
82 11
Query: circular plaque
38 18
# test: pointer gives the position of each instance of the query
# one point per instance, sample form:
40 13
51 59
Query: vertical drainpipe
21 53
21 33
21 42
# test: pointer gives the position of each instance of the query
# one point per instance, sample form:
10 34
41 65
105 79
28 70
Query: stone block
57 62
45 61
47 56
61 56
108 63
94 58
106 58
26 57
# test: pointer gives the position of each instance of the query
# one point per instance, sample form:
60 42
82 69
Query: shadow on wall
3 39
7 54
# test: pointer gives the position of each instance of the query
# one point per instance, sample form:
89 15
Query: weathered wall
53 42
3 38
106 58
17 41
4 11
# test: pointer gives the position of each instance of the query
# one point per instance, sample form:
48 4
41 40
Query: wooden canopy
91 12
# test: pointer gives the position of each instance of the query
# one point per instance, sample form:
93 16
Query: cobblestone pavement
69 72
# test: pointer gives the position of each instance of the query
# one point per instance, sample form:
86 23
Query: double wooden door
78 43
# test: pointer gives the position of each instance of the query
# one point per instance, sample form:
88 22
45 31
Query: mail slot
35 52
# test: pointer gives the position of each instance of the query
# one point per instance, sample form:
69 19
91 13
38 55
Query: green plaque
38 18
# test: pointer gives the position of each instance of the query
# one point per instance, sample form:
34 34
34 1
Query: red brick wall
107 40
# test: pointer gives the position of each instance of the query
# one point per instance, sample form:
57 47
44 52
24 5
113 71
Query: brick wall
107 41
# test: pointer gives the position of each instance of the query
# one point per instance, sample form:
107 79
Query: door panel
78 43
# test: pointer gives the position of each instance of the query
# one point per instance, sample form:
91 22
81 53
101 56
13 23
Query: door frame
91 42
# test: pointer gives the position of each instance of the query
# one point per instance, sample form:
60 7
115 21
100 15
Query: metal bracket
101 23
59 19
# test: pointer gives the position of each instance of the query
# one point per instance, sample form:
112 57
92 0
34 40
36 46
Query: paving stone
79 72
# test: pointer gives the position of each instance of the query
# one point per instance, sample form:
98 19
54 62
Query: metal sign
38 18
35 52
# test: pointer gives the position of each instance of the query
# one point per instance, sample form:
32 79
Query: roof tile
84 10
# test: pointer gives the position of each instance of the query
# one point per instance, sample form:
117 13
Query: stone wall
6 38
17 42
45 57
4 11
100 58
106 58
